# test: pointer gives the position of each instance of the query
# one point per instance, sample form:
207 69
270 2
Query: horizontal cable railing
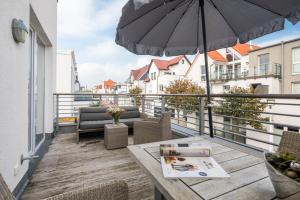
248 119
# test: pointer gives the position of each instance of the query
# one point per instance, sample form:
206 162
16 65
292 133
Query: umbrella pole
209 106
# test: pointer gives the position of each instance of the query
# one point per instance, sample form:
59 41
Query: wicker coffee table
115 136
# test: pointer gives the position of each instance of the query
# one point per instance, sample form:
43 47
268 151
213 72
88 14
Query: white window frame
293 60
293 83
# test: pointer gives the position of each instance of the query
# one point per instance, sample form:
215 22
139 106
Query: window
151 76
296 88
226 88
203 76
161 87
296 60
263 63
173 73
154 75
182 61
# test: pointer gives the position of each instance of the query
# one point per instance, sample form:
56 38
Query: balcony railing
189 114
267 70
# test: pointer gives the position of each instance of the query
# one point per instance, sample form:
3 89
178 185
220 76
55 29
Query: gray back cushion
130 114
92 110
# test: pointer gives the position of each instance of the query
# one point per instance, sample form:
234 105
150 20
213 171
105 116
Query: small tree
187 104
136 94
245 111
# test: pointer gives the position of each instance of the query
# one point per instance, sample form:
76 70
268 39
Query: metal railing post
201 115
100 100
57 114
143 103
163 103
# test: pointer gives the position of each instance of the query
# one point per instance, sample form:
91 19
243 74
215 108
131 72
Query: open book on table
189 160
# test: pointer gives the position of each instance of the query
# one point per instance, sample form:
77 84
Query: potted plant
284 166
115 112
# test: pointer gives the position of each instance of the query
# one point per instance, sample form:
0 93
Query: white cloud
291 36
82 18
91 74
106 49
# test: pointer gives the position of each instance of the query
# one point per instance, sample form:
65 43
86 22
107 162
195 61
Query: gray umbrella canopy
173 27
181 27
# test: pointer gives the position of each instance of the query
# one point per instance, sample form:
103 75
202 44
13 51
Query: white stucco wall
14 80
65 73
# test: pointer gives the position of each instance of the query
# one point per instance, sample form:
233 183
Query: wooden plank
68 166
260 190
217 187
230 167
170 188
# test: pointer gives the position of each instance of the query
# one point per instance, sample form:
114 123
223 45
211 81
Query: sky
89 26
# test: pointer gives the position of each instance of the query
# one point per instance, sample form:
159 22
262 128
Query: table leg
158 195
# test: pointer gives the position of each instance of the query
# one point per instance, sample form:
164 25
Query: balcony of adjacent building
271 70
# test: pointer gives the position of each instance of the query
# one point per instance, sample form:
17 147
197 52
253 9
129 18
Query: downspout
282 68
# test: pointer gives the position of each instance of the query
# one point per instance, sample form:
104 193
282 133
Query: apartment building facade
66 74
27 84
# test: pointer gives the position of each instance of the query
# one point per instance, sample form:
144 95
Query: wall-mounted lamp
19 30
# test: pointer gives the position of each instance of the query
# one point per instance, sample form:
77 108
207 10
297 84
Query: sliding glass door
36 92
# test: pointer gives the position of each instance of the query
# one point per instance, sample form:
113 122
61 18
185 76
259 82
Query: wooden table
115 136
249 178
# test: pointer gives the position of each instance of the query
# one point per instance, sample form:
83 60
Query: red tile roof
139 73
109 84
147 79
244 49
165 64
215 55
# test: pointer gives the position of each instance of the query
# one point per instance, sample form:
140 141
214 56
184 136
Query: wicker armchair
115 190
152 129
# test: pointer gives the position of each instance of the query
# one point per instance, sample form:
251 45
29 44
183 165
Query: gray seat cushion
94 116
130 114
129 122
94 124
130 108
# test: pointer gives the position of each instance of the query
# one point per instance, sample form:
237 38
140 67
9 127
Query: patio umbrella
181 27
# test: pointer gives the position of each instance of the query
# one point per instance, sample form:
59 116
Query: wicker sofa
152 129
93 119
115 190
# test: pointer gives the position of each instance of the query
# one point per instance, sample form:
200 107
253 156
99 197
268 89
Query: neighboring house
231 67
137 78
106 87
66 72
27 84
163 72
287 55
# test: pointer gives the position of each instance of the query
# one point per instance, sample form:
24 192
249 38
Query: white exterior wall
176 71
194 74
273 83
14 81
66 72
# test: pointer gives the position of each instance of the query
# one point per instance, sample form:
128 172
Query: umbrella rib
267 9
198 26
230 26
178 23
144 35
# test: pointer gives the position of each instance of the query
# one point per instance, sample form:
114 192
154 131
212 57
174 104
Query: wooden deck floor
68 166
